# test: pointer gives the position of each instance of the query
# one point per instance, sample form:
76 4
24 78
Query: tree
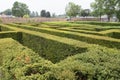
72 10
43 13
118 9
37 15
20 9
7 12
97 7
48 14
104 7
85 12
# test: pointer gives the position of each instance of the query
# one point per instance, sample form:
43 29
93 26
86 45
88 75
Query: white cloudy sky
54 6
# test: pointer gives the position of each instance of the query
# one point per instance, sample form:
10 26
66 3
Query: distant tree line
106 7
21 10
73 10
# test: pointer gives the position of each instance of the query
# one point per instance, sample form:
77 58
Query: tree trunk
108 18
100 17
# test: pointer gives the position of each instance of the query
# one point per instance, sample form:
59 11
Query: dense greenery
20 9
108 7
98 63
66 43
72 10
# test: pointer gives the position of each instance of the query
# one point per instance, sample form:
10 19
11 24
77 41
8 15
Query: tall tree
7 12
109 8
104 7
20 9
85 12
98 8
48 14
72 10
43 13
32 14
118 9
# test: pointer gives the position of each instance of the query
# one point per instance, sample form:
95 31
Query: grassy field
60 51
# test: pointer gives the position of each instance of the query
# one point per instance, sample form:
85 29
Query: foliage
43 13
20 9
97 7
85 12
26 16
52 41
48 14
72 10
23 64
7 12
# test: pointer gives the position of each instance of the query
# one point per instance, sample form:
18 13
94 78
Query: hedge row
51 47
94 39
19 63
2 28
99 23
12 34
98 63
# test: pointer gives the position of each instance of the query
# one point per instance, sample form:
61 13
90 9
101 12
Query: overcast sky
54 6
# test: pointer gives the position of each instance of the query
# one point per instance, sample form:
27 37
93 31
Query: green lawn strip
94 39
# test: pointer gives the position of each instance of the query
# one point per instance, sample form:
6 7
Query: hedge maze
60 51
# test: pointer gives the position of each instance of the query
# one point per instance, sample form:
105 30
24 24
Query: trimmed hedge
12 34
2 28
51 47
19 62
98 63
99 23
114 35
93 39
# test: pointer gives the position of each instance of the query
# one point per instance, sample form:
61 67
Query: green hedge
99 23
93 39
99 63
21 63
52 49
5 28
12 34
49 49
114 35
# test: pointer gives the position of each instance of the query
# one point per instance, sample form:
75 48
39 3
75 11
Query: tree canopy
72 10
20 9
108 7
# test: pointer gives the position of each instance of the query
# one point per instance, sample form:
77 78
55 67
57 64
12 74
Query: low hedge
114 35
12 34
94 39
51 47
2 28
98 63
99 23
19 62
